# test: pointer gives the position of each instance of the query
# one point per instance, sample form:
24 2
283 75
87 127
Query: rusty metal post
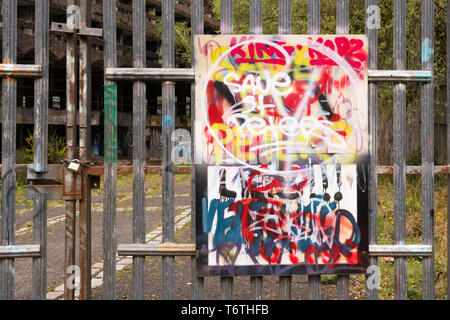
85 146
197 23
448 148
110 184
139 150
41 101
69 177
9 96
168 127
314 28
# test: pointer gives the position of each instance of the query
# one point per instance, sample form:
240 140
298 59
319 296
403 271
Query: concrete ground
55 262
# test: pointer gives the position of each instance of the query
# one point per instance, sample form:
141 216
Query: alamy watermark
73 280
373 17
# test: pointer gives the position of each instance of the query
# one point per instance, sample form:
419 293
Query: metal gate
77 183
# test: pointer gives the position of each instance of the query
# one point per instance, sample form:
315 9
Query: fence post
85 144
427 144
314 28
342 27
372 34
69 178
197 23
226 27
256 282
284 27
399 148
41 88
110 103
139 149
9 97
168 122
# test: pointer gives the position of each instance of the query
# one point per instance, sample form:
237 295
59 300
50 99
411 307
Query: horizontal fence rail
178 74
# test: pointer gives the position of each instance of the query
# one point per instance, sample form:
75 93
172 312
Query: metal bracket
84 31
52 183
44 182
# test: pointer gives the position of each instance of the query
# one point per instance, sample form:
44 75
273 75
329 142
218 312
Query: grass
385 230
414 236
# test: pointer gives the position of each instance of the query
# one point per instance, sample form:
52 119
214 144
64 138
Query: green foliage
182 41
56 148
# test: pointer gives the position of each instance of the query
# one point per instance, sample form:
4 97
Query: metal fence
77 187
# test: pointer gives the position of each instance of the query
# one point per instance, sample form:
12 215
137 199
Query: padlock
74 167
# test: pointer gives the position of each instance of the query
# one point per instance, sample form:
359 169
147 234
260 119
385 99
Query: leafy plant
182 41
56 148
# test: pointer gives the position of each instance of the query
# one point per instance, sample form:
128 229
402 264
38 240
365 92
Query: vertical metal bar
69 177
427 144
85 143
314 28
342 16
226 286
372 34
399 148
197 23
256 282
110 104
226 27
284 17
168 102
343 287
342 27
284 27
139 150
313 16
448 148
9 94
256 17
41 89
226 16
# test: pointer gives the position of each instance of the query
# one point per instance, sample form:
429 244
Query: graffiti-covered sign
281 154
